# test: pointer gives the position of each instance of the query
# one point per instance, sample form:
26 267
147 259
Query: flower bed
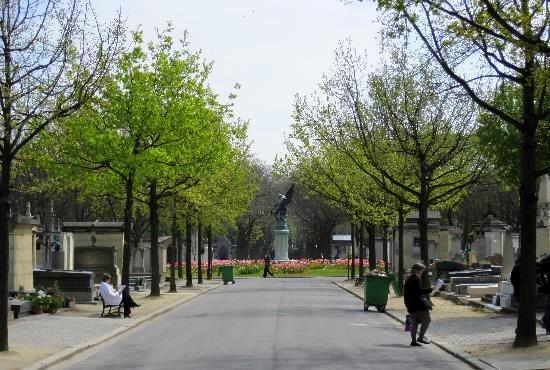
290 267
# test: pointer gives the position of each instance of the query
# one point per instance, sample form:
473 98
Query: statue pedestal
280 245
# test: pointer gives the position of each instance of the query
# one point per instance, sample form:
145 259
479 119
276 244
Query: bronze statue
279 209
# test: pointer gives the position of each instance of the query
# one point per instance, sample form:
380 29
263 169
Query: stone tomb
490 235
98 247
22 239
444 242
77 284
98 260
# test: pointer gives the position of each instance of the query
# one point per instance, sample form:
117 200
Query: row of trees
497 54
125 128
379 145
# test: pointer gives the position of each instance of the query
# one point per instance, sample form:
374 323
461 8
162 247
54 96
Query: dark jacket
267 262
413 294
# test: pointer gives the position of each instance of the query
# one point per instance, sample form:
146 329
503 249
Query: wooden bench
114 309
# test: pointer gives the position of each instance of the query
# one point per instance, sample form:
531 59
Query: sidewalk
40 340
484 338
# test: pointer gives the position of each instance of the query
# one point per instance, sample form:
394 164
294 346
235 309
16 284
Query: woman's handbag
427 302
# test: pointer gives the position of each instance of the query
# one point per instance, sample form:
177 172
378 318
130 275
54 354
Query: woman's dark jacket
413 294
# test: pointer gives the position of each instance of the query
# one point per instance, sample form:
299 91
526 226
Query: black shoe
416 344
136 305
424 341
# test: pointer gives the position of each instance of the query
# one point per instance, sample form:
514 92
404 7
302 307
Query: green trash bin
228 274
377 289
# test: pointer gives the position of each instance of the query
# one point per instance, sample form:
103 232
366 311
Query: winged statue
279 209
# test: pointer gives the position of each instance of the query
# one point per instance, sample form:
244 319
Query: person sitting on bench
114 297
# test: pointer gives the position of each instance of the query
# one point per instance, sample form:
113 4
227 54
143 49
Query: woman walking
417 303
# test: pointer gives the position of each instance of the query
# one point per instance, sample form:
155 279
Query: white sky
273 48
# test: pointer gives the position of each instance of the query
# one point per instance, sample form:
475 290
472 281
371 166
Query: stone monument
280 243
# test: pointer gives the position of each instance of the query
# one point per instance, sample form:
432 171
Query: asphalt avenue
267 324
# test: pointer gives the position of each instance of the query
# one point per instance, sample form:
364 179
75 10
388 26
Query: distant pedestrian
267 265
418 304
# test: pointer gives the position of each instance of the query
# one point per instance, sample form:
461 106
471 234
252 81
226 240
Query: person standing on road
267 265
417 304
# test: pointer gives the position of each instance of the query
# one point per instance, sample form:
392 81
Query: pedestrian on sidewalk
267 265
418 304
115 297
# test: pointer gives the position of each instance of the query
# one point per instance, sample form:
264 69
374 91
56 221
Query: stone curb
462 356
72 351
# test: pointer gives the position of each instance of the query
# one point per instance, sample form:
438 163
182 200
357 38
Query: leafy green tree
501 142
482 43
53 61
411 139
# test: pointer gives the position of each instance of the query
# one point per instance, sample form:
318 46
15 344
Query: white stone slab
481 291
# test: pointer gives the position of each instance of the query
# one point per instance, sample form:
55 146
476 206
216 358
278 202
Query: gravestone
77 284
490 232
443 268
98 260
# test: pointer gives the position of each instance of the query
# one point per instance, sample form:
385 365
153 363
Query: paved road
267 324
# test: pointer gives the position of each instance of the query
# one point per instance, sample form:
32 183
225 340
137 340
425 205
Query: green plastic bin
228 274
377 289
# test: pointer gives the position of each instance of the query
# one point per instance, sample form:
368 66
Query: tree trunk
173 288
526 325
242 243
180 253
385 247
210 252
154 225
423 228
4 246
352 251
200 251
128 218
371 229
361 232
325 244
188 269
401 268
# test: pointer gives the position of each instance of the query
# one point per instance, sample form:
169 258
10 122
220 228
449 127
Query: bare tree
53 56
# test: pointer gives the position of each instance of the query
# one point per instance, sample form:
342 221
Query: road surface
267 324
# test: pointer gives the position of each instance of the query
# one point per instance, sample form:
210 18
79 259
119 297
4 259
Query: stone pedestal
280 245
21 239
